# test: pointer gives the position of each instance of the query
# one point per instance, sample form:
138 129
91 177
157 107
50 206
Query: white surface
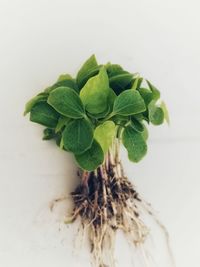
41 39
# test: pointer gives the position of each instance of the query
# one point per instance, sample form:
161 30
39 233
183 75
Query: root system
106 201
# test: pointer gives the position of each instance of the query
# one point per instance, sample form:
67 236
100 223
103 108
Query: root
105 201
147 208
55 201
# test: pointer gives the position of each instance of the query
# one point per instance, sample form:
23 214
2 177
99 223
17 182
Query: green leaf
70 83
110 103
66 102
155 91
114 69
119 82
44 114
48 134
134 143
88 70
119 79
129 102
146 94
122 120
95 93
145 133
102 114
136 82
111 98
156 114
78 136
91 73
64 77
138 116
90 63
145 115
61 123
91 158
31 103
137 125
104 134
165 110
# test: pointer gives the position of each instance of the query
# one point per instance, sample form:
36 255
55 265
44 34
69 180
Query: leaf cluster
84 115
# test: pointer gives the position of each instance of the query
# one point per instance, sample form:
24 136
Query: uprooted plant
90 116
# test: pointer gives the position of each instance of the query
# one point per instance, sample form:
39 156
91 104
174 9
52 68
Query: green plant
90 116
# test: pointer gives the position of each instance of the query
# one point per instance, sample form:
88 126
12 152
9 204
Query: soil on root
106 201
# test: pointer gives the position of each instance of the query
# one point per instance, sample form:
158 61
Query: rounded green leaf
129 102
165 110
88 70
145 133
44 114
110 102
61 123
70 83
122 120
137 125
102 114
64 77
111 98
114 69
119 82
134 143
91 158
146 94
105 134
91 73
31 103
66 102
156 114
155 91
95 93
78 136
119 79
138 116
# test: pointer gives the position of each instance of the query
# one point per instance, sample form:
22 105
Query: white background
40 39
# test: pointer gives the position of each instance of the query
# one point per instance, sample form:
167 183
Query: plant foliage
103 102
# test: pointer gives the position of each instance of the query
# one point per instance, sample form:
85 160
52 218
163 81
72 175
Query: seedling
90 116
